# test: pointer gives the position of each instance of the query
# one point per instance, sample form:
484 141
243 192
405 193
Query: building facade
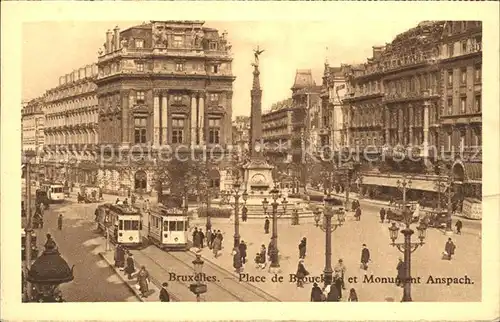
413 107
163 83
33 124
241 132
277 131
71 127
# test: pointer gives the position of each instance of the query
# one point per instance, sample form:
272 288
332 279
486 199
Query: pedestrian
301 273
262 257
214 234
458 225
244 212
365 257
164 296
125 202
266 226
382 215
196 242
237 260
216 246
60 222
316 293
117 202
337 283
96 215
219 234
332 294
302 248
147 204
449 249
353 297
357 215
209 238
340 270
130 269
201 236
132 199
143 281
401 273
353 205
243 251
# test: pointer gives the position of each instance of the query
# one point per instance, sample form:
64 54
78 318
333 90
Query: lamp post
404 184
47 273
28 155
273 252
449 185
198 287
328 227
225 198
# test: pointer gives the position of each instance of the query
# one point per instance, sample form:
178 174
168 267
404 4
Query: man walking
449 249
365 257
266 226
382 215
164 296
357 215
243 251
340 270
302 248
60 222
202 237
401 273
458 225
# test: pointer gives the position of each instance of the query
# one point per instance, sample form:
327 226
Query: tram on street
122 223
54 192
168 227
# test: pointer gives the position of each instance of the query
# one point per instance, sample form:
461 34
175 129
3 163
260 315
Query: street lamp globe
422 228
265 204
49 271
317 216
275 193
198 264
393 232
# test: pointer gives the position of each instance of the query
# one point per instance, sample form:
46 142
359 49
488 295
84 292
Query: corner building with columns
162 83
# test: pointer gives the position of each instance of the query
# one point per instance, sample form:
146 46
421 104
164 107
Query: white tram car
55 192
123 223
168 227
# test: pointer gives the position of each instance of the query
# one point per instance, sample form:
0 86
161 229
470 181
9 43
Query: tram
168 227
55 192
123 223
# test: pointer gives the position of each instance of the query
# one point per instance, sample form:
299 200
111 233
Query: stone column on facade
156 120
192 123
387 124
411 122
228 115
127 102
201 118
400 126
164 118
117 38
426 129
109 37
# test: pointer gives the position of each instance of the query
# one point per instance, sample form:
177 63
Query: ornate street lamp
198 287
273 252
407 247
236 187
328 227
47 273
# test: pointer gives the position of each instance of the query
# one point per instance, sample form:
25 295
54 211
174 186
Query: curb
101 254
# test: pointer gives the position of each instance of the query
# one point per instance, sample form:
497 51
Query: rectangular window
477 73
477 103
171 225
134 225
448 139
450 50
140 97
140 125
215 69
450 78
213 46
178 41
139 43
177 136
214 97
462 105
179 67
180 226
464 47
214 131
463 76
140 67
449 105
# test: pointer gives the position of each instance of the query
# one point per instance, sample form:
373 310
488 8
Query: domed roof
50 267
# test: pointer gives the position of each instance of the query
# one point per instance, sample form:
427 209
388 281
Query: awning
473 171
386 181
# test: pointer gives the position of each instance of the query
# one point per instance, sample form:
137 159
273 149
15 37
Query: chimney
117 38
109 37
377 51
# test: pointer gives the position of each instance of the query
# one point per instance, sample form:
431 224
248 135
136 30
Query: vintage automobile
396 212
89 194
436 219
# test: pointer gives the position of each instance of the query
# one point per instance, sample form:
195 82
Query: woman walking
143 281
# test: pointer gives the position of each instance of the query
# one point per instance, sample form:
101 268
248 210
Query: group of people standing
333 292
213 239
127 265
240 256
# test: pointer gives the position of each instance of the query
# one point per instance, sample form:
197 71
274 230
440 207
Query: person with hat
303 248
365 257
401 273
301 273
340 270
164 296
60 222
316 293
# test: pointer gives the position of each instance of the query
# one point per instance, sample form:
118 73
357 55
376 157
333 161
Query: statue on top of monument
257 52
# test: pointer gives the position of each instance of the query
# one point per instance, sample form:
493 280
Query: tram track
234 279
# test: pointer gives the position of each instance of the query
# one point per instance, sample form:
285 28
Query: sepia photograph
206 160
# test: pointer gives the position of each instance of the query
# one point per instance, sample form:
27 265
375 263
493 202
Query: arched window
140 180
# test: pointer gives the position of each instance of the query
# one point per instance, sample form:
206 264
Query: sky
52 49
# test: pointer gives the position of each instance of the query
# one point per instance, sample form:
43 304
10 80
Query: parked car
396 213
436 219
